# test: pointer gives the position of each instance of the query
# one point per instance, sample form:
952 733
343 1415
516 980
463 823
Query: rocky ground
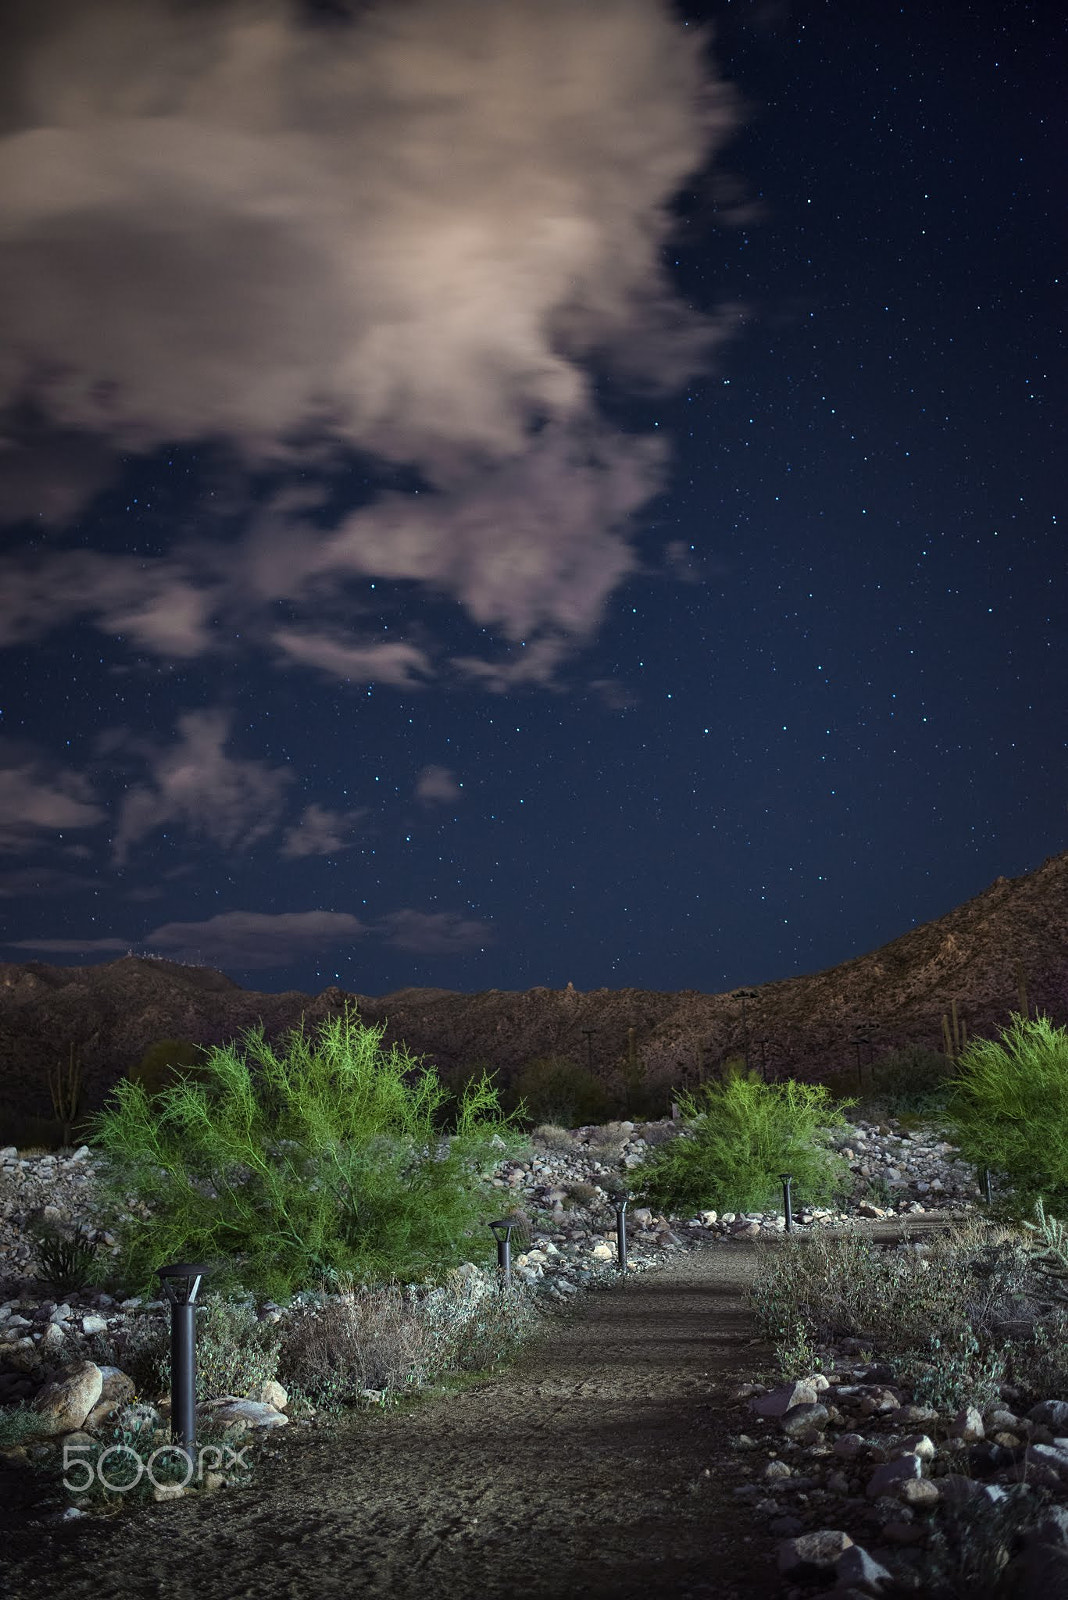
637 1450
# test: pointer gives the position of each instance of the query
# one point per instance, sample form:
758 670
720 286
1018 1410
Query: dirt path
579 1472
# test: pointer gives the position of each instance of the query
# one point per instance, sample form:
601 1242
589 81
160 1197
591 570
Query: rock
115 1390
1053 1413
273 1394
775 1471
777 1402
785 1527
812 1554
856 1566
917 1444
804 1422
849 1445
231 1409
967 1425
888 1478
65 1404
919 1493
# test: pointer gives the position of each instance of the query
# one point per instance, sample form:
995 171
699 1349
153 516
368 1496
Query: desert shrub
170 1061
972 1542
319 1156
606 1144
658 1133
66 1258
550 1137
738 1137
1009 1110
365 1340
909 1081
583 1194
475 1325
387 1340
938 1310
18 1423
555 1089
235 1352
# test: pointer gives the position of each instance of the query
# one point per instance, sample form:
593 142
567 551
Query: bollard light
502 1232
621 1234
181 1283
987 1186
786 1179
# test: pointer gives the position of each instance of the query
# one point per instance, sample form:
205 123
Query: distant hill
977 955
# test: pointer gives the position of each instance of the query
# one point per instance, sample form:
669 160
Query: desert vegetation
322 1158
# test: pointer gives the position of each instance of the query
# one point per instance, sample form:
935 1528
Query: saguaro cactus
954 1035
65 1088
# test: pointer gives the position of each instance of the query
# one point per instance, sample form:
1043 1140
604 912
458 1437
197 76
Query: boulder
64 1404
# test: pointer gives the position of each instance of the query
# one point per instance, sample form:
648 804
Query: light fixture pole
180 1284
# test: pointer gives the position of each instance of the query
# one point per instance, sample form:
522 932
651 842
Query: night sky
509 492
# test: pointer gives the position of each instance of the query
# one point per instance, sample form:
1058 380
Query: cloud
73 947
401 665
419 234
37 798
437 933
27 883
231 802
320 832
153 603
254 939
437 783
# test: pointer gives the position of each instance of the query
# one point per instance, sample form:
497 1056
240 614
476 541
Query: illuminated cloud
402 665
247 939
320 832
437 783
437 933
418 233
231 802
38 800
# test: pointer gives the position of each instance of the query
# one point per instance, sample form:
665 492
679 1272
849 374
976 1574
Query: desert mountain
1014 933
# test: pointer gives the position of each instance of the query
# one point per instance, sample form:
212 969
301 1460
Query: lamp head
182 1280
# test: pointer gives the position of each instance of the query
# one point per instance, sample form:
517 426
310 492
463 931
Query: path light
987 1187
786 1179
621 1233
502 1232
180 1284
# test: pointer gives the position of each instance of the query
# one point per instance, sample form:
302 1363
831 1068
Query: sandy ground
580 1472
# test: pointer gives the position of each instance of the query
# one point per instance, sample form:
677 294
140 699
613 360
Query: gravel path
579 1472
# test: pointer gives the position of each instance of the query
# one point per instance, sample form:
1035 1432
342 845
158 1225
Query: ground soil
578 1472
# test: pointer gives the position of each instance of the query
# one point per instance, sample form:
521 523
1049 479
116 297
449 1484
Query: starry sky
509 492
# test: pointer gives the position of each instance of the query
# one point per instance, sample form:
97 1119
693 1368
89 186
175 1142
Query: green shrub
738 1136
319 1157
912 1080
66 1258
1009 1109
555 1089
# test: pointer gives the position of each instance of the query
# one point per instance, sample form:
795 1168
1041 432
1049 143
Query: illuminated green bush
1009 1110
737 1137
315 1160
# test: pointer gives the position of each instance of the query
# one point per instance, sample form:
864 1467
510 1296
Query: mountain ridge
975 955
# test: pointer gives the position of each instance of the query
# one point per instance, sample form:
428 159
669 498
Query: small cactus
1051 1258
